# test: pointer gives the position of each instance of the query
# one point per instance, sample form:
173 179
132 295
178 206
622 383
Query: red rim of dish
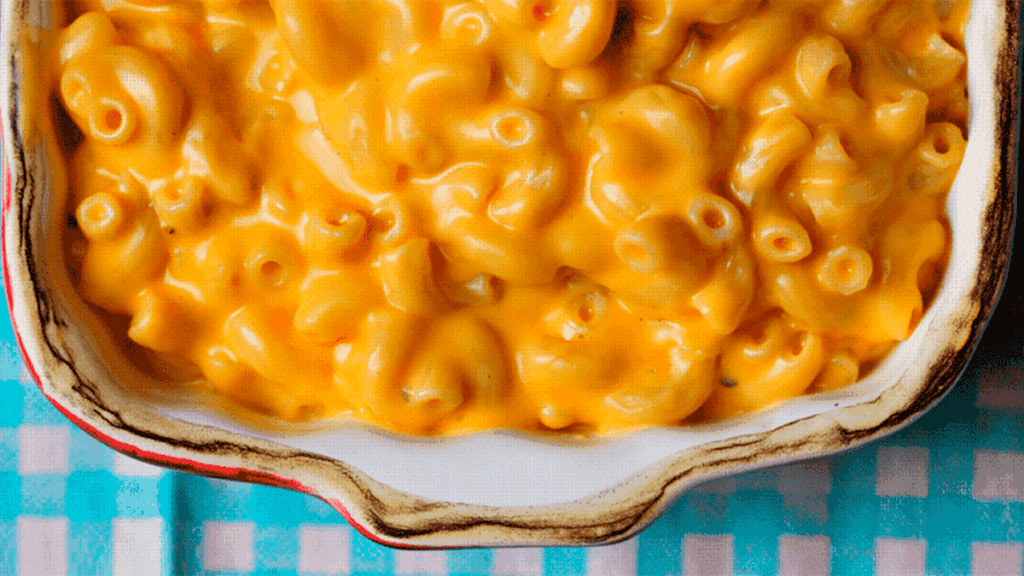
180 464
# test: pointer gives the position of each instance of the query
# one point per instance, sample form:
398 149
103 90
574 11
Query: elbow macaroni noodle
442 216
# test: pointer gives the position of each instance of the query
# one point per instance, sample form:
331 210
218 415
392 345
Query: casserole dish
495 488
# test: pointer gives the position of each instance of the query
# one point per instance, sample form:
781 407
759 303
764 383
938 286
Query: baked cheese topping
445 216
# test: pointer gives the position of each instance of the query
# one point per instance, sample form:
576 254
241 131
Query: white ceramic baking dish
496 488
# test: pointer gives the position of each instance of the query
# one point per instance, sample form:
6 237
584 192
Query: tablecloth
943 496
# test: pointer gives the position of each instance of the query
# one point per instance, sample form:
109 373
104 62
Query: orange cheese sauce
444 216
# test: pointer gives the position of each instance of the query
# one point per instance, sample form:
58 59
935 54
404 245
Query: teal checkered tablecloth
944 496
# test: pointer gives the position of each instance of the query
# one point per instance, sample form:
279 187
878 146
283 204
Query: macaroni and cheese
443 216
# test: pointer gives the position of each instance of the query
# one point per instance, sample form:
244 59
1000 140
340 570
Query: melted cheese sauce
447 216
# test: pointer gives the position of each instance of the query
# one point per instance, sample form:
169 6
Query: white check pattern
71 506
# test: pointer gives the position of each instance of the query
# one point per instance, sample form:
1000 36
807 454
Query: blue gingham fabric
944 496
